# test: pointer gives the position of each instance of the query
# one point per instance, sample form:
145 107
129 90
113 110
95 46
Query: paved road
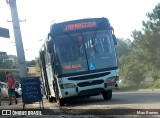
121 101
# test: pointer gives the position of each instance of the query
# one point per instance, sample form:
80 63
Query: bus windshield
85 51
70 53
100 50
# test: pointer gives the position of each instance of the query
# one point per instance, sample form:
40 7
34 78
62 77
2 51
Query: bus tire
60 102
107 95
46 97
51 99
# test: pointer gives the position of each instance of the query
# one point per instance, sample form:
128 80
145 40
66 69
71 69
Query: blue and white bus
78 59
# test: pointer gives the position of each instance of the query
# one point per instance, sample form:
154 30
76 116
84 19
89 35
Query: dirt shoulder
5 102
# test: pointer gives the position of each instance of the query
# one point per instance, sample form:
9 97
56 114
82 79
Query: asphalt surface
123 104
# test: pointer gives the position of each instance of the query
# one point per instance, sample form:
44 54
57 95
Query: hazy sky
124 16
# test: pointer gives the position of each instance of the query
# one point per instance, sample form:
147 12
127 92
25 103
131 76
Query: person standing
11 81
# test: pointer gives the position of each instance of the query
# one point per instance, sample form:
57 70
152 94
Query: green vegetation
135 87
4 63
2 76
141 57
37 60
155 84
34 63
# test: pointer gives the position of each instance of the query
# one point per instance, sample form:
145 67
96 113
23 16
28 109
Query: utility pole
18 39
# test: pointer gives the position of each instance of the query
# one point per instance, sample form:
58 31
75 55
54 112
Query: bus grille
91 91
90 83
92 76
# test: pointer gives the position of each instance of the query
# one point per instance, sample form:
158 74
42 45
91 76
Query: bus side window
114 39
49 47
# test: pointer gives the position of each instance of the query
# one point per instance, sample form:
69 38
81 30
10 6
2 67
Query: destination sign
80 25
73 66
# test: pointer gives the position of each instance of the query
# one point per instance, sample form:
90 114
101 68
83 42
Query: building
3 56
14 60
11 60
3 53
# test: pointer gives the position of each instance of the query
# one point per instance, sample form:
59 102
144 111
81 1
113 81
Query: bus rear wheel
51 99
60 102
46 97
107 95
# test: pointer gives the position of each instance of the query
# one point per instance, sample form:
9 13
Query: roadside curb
140 90
145 90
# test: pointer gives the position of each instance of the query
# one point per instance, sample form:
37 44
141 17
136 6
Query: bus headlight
112 79
67 85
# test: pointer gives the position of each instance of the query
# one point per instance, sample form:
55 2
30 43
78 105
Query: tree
131 70
148 43
34 63
31 63
37 61
2 76
144 56
3 64
122 48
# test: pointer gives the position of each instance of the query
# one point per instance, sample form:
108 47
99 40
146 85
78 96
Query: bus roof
75 26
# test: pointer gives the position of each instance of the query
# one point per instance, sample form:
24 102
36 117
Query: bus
78 59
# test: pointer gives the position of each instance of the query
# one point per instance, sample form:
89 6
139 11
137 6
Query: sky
124 16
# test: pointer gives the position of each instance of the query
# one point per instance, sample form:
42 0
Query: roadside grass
135 87
156 85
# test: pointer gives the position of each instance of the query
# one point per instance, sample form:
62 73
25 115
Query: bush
156 84
133 87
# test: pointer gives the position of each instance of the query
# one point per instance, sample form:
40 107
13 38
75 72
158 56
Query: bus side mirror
114 39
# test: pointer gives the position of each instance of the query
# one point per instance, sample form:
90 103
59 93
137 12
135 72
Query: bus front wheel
107 95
